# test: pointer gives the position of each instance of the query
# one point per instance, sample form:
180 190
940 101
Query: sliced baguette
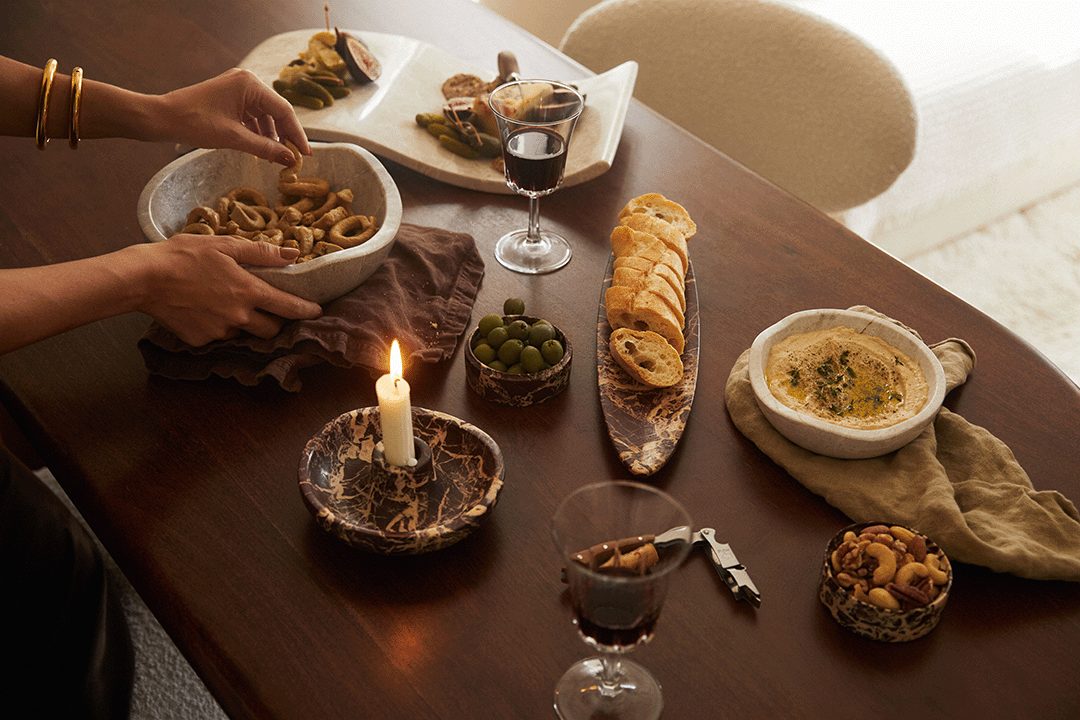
660 207
646 357
643 311
666 232
639 280
627 242
655 268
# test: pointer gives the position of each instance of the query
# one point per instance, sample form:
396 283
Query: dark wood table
192 485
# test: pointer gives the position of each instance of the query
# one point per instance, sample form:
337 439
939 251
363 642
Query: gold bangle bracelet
76 101
43 103
76 104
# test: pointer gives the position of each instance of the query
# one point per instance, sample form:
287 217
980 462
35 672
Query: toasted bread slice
643 311
660 207
658 269
639 280
627 242
646 357
668 233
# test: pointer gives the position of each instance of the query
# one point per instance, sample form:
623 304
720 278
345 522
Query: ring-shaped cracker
311 187
248 196
248 217
198 228
205 215
352 231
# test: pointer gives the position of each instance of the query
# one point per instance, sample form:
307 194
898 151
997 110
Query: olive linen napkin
422 296
955 483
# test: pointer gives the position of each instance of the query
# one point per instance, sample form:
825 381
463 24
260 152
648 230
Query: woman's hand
197 289
233 110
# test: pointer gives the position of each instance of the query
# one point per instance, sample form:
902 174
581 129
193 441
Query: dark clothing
64 641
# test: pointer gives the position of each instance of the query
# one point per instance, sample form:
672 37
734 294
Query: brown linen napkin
956 483
422 296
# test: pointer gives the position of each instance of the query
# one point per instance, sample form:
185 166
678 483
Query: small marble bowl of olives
516 359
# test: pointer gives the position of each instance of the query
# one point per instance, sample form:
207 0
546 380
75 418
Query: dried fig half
363 66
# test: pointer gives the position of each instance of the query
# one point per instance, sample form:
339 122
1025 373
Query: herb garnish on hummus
846 378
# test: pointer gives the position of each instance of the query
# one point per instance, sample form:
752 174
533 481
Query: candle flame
395 359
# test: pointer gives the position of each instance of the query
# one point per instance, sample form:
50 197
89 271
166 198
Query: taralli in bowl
885 582
845 384
348 242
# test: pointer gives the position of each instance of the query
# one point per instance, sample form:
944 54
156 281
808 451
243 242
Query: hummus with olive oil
846 378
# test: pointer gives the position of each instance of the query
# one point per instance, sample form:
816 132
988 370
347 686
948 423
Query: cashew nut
902 534
886 568
909 572
939 576
883 598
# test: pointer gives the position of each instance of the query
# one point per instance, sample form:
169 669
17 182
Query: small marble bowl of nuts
516 359
885 582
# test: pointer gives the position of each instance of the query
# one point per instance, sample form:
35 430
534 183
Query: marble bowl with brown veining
202 176
827 438
396 514
521 390
868 619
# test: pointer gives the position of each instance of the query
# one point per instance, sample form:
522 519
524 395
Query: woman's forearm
104 110
39 302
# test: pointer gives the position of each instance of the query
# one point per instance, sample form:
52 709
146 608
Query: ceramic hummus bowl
828 438
202 176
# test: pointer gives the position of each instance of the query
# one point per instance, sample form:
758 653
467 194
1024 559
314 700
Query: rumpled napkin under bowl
955 483
422 296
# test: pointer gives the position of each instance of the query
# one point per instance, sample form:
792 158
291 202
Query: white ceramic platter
380 116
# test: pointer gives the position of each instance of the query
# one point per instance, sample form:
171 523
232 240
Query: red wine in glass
615 616
534 160
614 638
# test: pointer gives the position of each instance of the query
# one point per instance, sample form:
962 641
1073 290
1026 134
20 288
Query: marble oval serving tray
380 116
646 425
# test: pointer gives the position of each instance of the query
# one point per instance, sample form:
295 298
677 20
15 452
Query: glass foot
581 695
517 253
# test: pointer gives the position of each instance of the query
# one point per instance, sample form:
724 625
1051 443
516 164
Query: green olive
484 353
514 306
510 351
519 330
498 337
489 323
531 359
552 350
516 369
540 332
497 365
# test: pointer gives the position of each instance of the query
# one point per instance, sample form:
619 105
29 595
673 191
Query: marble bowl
393 514
867 619
202 176
504 388
826 438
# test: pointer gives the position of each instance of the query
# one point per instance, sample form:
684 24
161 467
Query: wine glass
536 119
616 605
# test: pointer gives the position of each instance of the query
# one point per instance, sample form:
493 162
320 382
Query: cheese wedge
516 105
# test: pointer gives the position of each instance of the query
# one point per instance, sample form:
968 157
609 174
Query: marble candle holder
400 510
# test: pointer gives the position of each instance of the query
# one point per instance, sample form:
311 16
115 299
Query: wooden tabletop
192 486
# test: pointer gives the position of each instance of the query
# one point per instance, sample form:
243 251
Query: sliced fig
363 66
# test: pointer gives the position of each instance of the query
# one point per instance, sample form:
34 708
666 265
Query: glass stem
610 675
534 220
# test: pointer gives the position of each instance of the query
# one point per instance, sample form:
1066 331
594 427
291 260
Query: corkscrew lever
729 567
